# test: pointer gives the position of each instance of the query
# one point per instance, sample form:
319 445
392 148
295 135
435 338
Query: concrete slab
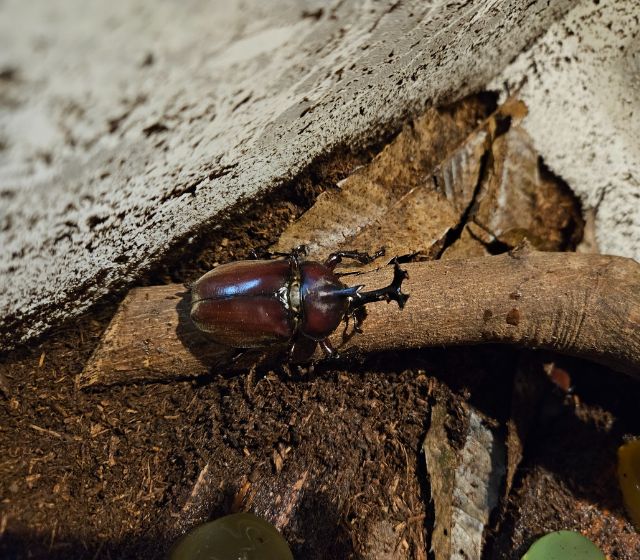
581 82
126 126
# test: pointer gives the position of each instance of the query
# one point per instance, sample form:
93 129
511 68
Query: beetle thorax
294 296
291 296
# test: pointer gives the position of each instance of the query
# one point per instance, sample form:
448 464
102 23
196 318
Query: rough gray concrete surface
126 126
581 82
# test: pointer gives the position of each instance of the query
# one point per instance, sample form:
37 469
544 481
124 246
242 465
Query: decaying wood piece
441 460
582 305
465 483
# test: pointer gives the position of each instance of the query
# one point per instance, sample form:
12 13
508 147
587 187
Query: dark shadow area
482 374
577 438
317 531
18 546
570 459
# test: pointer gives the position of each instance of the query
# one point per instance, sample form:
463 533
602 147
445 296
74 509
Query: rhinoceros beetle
260 303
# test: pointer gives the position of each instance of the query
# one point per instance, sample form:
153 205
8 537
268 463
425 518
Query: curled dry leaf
455 183
393 201
520 199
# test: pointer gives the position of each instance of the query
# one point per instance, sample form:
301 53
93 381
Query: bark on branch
582 305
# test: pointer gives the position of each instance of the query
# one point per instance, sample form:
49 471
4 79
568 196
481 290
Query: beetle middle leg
328 349
334 259
296 252
302 349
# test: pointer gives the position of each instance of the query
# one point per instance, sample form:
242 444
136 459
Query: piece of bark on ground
465 482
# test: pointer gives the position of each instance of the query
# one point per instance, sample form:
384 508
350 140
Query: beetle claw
334 259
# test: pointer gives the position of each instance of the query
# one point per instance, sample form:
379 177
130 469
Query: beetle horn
391 292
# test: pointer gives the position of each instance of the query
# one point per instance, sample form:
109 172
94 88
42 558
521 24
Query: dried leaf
392 201
458 175
415 194
466 246
417 224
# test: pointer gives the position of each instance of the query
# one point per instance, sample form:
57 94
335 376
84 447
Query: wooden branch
582 305
151 338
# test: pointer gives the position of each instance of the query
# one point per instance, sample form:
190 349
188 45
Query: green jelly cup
240 535
564 545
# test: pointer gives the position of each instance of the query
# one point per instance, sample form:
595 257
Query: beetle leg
391 292
334 259
296 252
328 349
357 320
302 349
357 316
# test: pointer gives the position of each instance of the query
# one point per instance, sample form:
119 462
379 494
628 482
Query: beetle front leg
334 259
356 315
358 319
